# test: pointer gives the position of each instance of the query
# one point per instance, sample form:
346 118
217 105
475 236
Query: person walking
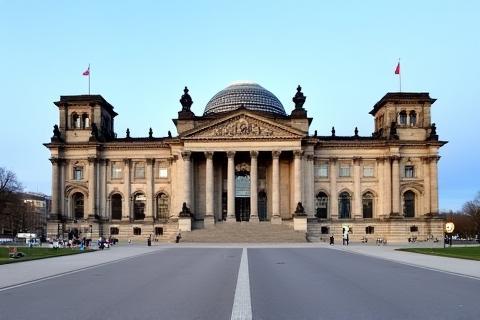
179 236
332 240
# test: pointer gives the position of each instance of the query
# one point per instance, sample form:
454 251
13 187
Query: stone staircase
245 232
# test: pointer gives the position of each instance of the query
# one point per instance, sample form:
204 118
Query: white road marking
242 303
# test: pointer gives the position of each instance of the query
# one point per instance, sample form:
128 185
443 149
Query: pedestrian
347 238
332 240
149 241
179 236
129 241
344 237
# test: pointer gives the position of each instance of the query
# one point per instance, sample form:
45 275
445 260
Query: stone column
92 210
62 209
231 186
105 208
55 190
276 187
434 185
254 186
426 185
187 179
309 195
395 186
209 190
126 212
333 189
387 179
150 215
357 200
297 188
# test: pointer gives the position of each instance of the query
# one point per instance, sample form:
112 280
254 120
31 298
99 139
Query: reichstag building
246 160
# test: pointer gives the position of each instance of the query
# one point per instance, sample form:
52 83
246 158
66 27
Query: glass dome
250 95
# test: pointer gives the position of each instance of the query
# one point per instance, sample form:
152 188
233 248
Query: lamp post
449 227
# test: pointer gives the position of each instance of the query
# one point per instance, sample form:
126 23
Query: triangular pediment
243 125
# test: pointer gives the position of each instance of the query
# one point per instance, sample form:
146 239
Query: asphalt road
284 283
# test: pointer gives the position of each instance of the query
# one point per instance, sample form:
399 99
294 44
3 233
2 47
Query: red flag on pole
397 69
86 72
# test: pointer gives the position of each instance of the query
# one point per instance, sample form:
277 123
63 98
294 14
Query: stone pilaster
333 189
395 186
387 175
276 187
231 186
309 194
379 206
426 185
434 185
209 191
357 193
92 192
126 212
149 214
254 186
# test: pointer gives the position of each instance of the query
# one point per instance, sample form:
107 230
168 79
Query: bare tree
9 188
472 209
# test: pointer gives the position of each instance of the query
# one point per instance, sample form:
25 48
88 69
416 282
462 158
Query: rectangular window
137 231
77 173
344 170
368 170
116 170
321 170
369 230
163 173
409 172
140 170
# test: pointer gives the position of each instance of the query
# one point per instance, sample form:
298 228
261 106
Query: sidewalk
16 273
470 268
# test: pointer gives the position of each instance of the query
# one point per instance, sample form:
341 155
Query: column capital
174 158
55 160
208 155
92 160
230 154
276 154
103 161
395 158
425 160
434 158
127 161
380 159
186 155
253 154
150 161
356 160
310 157
333 159
298 153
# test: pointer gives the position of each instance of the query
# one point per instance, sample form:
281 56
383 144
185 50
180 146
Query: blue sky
143 53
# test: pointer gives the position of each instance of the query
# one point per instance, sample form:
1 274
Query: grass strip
470 253
37 253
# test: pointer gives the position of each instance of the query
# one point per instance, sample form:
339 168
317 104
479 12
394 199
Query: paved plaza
238 281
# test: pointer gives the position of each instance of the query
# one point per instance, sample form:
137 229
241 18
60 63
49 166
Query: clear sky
142 54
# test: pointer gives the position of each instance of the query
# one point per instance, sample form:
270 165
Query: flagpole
89 73
400 76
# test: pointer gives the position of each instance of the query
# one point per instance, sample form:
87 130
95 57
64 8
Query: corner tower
404 116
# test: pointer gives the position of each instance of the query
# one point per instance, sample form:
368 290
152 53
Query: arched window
139 202
409 204
78 201
321 205
344 205
76 123
162 206
85 121
403 118
413 118
116 203
367 202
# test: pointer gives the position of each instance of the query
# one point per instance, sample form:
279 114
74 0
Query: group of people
345 238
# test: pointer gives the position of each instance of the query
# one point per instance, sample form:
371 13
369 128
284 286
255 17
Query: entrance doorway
242 209
262 206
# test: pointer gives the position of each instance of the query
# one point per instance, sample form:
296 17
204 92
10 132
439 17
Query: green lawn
471 253
37 253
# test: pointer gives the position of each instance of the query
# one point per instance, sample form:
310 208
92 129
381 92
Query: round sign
449 227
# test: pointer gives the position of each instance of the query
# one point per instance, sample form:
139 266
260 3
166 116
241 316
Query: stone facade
244 164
